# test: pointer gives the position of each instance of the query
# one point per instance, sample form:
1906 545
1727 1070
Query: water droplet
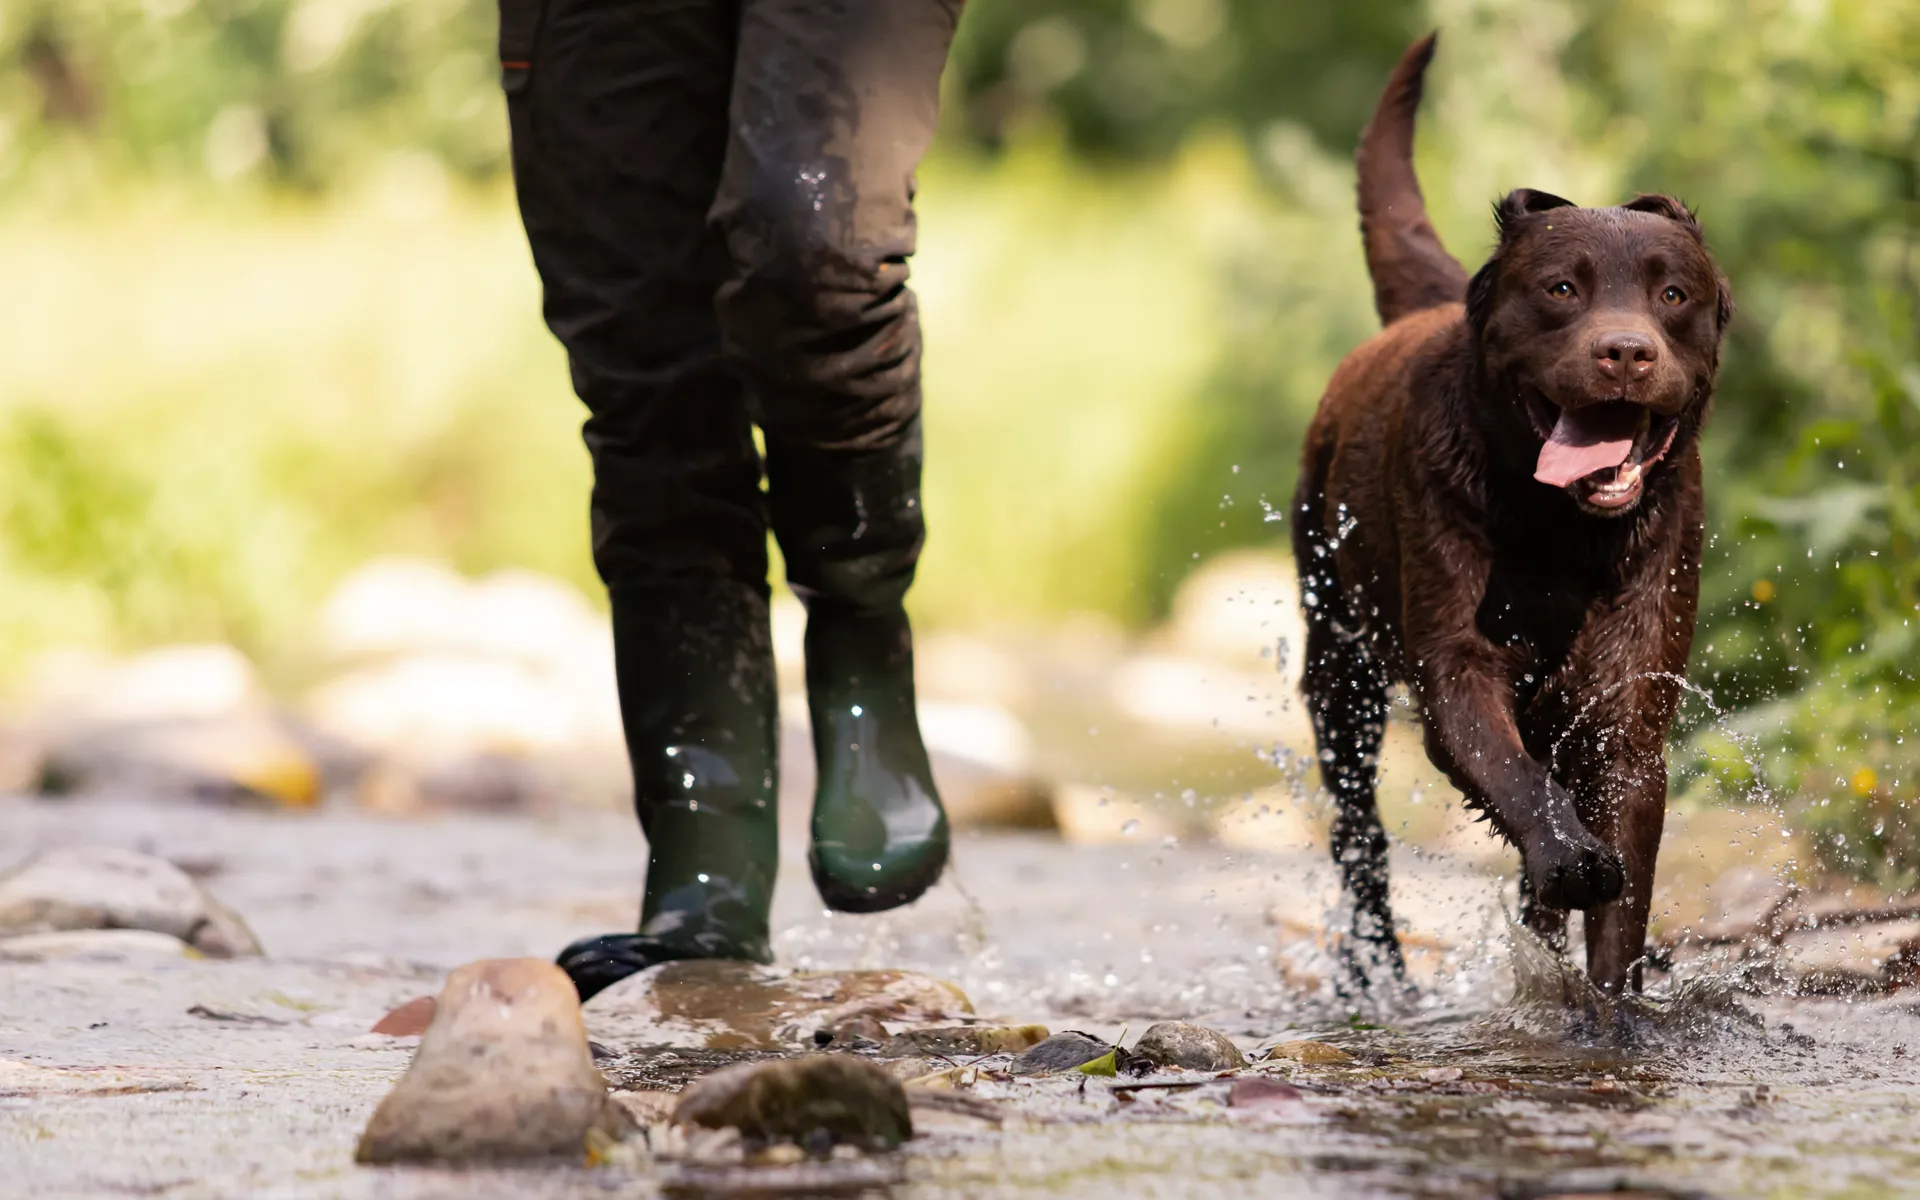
1132 826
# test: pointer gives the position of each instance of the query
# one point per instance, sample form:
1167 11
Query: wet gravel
183 1077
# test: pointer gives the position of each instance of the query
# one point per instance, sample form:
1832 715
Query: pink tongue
1585 440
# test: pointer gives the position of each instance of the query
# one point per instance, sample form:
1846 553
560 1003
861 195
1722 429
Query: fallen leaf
1104 1065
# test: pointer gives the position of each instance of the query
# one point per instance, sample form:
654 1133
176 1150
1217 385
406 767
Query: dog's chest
1534 611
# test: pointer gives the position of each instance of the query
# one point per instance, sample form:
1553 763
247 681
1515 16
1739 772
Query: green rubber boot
851 529
698 701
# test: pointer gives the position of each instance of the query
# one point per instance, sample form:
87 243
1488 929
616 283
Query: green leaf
1104 1065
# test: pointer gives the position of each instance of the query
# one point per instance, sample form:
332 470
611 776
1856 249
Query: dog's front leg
1617 932
1472 735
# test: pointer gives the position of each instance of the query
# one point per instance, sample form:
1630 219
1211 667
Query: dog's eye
1673 295
1563 290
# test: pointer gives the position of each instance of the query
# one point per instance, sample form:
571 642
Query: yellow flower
1762 590
1863 781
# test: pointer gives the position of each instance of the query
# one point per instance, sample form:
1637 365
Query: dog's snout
1625 355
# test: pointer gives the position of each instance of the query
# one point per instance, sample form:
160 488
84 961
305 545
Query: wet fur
1540 638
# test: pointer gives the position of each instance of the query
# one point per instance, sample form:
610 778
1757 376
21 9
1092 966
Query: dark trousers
719 197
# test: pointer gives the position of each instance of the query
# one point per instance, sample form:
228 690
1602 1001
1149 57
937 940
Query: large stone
187 720
1241 607
816 1101
721 1005
242 757
1180 1046
93 945
104 887
503 1073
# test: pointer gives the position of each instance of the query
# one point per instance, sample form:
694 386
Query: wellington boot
850 526
698 702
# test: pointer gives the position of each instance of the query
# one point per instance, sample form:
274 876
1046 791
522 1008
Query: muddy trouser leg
619 121
834 103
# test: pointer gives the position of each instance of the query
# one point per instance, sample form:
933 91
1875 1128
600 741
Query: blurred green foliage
1138 266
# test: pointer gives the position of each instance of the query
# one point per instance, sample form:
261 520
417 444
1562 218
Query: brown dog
1500 507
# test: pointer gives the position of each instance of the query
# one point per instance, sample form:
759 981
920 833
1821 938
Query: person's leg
834 103
619 118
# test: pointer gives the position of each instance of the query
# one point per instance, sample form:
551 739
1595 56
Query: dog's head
1598 331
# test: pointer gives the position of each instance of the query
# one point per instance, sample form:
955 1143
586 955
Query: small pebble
409 1020
817 1101
1312 1054
970 1041
1256 1092
1061 1052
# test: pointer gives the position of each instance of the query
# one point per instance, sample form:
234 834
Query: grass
213 408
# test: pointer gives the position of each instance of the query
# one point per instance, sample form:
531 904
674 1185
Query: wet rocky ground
129 1066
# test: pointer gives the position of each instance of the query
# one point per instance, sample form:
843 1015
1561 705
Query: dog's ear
1518 203
1480 293
1723 307
1668 207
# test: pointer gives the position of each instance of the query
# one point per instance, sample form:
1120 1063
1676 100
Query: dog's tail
1411 270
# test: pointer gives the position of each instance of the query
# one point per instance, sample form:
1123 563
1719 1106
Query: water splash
1555 1001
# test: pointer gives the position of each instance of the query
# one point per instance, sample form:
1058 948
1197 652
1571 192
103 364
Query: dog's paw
1584 873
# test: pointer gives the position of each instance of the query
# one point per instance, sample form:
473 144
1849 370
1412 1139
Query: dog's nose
1625 355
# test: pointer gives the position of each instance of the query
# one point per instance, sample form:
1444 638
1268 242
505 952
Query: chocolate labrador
1500 507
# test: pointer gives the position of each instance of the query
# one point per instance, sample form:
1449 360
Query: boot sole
841 897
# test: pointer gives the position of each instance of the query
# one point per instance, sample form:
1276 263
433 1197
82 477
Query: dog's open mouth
1608 446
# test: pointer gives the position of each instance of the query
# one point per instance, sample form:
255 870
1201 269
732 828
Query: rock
982 734
1312 1054
177 721
721 1005
391 607
1062 1052
950 667
453 678
1256 1093
1090 815
1241 606
816 1101
1187 696
168 683
503 1073
409 1020
1178 1045
437 707
103 887
860 1030
240 757
977 796
93 945
647 1107
1270 820
485 782
967 1040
